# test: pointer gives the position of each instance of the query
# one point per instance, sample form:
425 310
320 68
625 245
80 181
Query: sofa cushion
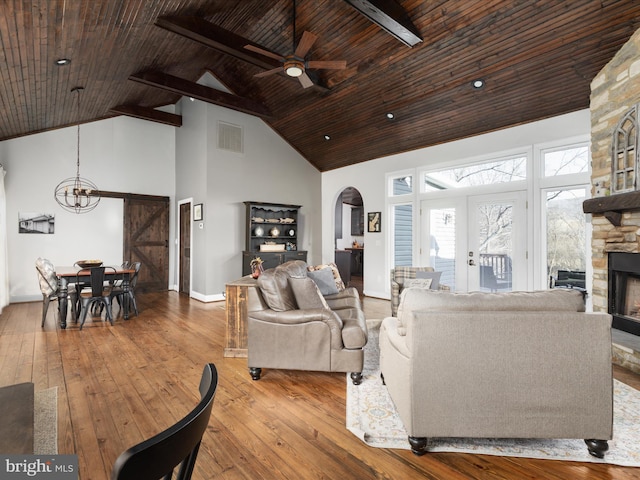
325 280
274 285
334 269
307 293
416 299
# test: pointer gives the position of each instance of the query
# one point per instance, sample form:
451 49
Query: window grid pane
403 235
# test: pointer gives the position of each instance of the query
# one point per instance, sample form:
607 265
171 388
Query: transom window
566 161
488 173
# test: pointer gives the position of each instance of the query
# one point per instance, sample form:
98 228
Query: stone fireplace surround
615 218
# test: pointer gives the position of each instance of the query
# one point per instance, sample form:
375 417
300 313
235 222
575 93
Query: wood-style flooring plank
120 384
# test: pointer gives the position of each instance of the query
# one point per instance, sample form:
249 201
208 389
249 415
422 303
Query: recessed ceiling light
63 61
327 137
390 116
478 83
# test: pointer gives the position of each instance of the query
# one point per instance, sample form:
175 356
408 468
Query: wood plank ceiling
536 57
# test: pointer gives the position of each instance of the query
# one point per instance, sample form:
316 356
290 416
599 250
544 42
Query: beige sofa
291 325
499 365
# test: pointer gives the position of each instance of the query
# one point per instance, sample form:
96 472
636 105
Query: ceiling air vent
230 137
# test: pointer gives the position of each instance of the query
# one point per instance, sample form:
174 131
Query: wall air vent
230 137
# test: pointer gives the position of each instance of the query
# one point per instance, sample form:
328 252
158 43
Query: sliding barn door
146 240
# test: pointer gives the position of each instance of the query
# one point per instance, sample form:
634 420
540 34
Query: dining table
70 275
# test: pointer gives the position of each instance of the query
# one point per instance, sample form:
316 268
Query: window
565 227
488 173
403 235
401 185
442 243
566 161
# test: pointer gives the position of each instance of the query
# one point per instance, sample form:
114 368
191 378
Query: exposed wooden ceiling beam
201 92
150 114
389 16
224 41
213 36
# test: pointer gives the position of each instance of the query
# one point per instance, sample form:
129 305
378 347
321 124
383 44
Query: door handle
472 263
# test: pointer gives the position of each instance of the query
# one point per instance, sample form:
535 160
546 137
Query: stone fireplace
615 208
615 244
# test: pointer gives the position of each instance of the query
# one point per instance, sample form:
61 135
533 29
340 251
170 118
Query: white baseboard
219 297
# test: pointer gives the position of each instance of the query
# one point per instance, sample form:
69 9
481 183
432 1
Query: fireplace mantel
613 206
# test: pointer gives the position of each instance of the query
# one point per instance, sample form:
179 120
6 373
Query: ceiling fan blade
305 81
268 72
264 52
328 64
306 42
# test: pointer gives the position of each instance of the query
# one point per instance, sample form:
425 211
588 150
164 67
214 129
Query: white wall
268 170
370 179
120 154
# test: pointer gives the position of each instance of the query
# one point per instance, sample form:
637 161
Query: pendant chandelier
77 194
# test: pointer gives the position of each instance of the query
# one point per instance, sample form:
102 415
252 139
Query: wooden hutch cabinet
271 234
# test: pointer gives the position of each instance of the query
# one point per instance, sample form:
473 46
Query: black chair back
134 278
178 445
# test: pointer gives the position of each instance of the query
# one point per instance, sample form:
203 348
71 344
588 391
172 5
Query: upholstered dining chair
100 293
175 447
49 286
118 292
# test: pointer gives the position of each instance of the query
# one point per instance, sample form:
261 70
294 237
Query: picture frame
197 212
374 222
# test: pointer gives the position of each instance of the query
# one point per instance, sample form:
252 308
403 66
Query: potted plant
256 267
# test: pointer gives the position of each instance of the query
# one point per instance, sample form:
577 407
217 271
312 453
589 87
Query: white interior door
497 250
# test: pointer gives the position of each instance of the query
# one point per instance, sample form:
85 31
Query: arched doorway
349 237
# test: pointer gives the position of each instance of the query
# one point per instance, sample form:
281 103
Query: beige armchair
292 325
399 277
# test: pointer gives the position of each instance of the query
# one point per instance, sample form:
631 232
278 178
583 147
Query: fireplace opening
624 291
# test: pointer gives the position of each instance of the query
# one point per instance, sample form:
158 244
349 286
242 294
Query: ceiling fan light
293 68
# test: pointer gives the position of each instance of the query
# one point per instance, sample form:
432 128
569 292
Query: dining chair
177 446
49 286
118 291
100 293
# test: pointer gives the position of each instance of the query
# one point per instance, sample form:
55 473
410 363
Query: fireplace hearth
624 291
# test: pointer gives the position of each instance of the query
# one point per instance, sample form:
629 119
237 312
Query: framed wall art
373 221
197 212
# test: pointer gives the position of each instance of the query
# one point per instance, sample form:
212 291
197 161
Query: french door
478 242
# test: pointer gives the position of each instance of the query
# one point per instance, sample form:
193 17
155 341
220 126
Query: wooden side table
237 294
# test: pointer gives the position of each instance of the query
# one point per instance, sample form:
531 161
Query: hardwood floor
120 384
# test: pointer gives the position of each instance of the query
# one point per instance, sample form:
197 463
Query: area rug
372 417
45 422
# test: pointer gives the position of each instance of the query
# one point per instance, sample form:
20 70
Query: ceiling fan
295 64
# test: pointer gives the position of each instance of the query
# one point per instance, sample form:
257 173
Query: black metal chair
100 294
178 445
118 291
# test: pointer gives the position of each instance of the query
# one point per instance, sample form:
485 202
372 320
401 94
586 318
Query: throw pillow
307 294
336 273
434 276
324 280
419 283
